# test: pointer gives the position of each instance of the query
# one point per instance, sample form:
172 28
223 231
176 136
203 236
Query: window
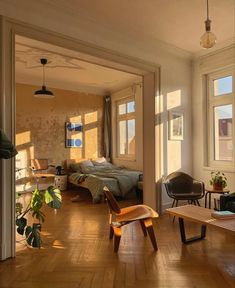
126 128
221 103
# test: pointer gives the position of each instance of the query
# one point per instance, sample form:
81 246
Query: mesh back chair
181 186
119 217
40 170
39 165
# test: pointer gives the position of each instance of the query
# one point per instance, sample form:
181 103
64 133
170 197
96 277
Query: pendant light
208 39
43 93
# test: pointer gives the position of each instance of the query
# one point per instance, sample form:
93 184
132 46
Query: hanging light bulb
43 93
208 39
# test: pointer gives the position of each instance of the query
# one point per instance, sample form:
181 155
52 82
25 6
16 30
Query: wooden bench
202 216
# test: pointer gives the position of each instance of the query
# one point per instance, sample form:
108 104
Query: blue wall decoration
73 135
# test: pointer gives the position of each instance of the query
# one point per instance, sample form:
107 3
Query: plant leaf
21 223
33 236
53 197
19 208
39 215
36 200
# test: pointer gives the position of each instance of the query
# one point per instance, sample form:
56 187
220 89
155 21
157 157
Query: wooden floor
77 253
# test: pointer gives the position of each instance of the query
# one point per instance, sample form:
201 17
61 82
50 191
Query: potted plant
52 197
218 180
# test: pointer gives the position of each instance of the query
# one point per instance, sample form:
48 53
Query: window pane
223 86
122 137
131 107
223 123
122 109
131 136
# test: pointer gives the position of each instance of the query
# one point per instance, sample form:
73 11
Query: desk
202 216
210 190
42 175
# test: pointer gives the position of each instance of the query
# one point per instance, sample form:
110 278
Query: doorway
96 55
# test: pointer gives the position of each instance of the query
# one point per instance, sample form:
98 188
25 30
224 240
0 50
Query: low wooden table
202 216
209 191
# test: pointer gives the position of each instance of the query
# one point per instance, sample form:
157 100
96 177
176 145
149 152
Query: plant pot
217 186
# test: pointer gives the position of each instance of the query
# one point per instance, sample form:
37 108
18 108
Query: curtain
107 127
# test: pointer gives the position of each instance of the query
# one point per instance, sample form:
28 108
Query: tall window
126 127
221 118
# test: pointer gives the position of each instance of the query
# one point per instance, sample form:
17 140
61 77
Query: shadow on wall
171 119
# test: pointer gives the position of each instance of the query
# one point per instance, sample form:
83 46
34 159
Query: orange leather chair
122 216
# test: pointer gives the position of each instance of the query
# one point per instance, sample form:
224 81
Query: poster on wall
176 125
73 135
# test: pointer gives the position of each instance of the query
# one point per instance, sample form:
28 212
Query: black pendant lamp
43 93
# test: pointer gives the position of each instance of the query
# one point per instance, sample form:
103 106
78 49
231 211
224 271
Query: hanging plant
52 197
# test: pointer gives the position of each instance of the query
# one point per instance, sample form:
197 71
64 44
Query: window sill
222 169
125 159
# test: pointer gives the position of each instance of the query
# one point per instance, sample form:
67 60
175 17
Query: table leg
195 238
37 182
206 199
209 200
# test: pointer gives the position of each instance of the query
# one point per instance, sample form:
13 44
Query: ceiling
66 72
179 23
176 22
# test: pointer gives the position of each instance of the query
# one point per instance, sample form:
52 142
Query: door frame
88 52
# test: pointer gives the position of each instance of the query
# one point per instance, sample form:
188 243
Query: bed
95 174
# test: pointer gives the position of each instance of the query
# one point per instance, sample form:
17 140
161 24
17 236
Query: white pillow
100 160
86 163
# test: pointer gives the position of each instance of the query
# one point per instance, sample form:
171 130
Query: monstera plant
51 197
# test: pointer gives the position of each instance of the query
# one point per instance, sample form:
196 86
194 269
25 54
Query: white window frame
215 101
125 117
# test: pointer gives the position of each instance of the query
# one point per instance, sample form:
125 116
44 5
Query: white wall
175 67
202 66
176 96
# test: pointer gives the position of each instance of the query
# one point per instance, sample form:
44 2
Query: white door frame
8 29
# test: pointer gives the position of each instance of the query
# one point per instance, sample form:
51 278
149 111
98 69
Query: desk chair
119 217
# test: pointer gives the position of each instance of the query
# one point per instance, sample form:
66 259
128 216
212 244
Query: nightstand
61 182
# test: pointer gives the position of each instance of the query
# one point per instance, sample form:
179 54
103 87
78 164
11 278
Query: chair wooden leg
143 228
117 238
173 204
198 203
149 226
111 232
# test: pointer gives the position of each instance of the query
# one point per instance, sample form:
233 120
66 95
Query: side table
61 182
209 191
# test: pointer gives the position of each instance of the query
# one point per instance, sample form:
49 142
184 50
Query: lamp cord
207 3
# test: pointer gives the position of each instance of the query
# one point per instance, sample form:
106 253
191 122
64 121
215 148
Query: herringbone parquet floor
77 253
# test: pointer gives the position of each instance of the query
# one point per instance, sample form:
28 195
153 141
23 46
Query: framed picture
176 125
73 135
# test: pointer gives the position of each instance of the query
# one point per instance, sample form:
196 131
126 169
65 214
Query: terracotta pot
217 186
